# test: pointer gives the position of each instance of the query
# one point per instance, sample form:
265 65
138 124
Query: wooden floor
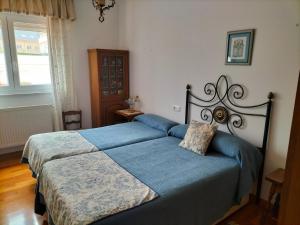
16 193
249 215
17 198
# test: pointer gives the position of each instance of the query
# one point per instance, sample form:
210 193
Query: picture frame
239 47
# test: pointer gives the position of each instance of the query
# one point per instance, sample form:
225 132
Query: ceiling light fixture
101 6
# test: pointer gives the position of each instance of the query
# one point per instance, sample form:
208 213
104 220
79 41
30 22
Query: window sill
25 92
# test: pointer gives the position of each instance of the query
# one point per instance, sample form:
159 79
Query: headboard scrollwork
219 106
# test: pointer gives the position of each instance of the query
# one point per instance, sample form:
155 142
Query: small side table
276 178
128 114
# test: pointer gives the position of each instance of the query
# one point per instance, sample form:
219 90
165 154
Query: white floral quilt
41 148
81 189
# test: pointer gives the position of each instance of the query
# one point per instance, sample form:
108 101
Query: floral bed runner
85 188
41 148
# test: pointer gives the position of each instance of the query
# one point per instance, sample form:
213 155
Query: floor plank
249 215
17 198
17 193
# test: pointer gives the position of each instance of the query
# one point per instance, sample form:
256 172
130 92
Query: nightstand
128 114
276 178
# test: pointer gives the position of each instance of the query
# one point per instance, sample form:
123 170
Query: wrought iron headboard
222 109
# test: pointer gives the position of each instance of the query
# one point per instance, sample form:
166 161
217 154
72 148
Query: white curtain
62 75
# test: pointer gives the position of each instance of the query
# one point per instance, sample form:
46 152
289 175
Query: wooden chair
67 122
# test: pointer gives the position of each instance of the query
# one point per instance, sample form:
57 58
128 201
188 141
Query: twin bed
42 148
136 173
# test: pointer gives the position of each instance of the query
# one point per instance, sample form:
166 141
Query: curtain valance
62 9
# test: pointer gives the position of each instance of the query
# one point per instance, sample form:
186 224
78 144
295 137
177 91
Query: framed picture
239 47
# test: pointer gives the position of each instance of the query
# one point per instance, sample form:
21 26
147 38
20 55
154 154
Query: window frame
11 57
9 70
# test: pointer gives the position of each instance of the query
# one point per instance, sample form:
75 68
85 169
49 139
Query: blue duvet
193 189
121 134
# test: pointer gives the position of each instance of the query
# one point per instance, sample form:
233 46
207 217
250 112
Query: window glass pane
32 52
3 70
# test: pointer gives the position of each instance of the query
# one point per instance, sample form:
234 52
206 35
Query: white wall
12 101
87 32
175 42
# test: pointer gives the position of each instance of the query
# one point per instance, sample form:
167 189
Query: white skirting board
17 124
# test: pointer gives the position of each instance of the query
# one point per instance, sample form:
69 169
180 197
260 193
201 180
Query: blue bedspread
120 134
193 189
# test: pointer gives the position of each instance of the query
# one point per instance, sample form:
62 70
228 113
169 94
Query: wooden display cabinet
109 81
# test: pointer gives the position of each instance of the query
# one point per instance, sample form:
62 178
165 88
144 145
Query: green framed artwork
239 47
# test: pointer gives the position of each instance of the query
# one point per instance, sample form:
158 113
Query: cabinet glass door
120 75
112 75
105 76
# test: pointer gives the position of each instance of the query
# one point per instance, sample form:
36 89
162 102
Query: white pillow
198 137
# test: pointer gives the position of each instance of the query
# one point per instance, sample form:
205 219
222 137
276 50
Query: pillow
247 155
198 137
156 121
178 131
230 145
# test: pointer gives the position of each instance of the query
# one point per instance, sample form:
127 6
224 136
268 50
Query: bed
41 148
156 181
185 186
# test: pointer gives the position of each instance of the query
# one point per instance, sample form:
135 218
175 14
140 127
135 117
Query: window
24 55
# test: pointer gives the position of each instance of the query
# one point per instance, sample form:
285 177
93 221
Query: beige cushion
198 137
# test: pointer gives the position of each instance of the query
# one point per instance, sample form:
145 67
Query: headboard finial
270 95
188 87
